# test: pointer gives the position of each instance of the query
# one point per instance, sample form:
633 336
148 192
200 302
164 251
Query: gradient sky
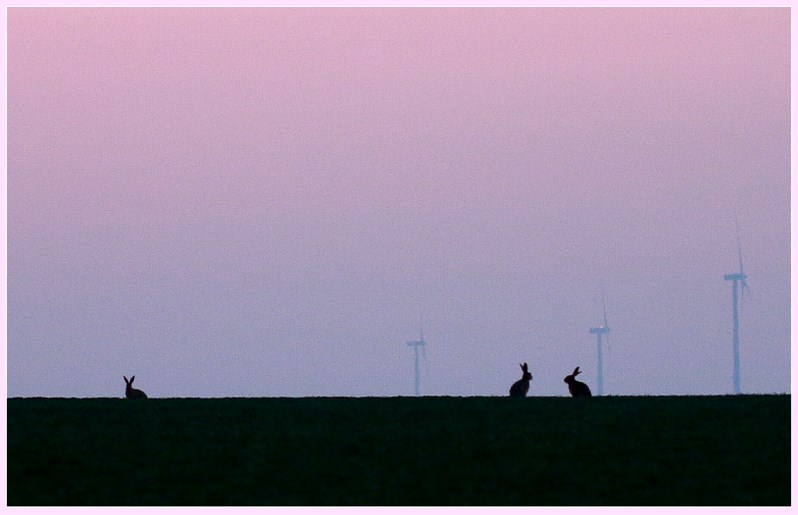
263 202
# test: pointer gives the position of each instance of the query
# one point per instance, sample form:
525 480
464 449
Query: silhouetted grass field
432 451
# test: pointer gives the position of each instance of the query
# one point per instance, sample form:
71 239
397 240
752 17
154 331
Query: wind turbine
600 331
737 279
416 344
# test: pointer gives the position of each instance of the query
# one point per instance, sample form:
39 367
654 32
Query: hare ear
132 378
125 378
576 371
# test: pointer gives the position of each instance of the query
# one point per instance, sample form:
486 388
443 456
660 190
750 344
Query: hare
521 387
130 392
577 388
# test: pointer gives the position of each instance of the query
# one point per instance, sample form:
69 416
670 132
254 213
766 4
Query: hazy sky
263 202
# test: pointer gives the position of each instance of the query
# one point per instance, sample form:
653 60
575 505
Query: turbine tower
600 331
738 279
416 344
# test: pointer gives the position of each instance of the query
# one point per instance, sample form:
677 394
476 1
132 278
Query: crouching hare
577 388
130 392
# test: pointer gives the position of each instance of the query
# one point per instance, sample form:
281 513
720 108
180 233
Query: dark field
431 451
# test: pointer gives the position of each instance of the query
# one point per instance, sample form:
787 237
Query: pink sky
261 201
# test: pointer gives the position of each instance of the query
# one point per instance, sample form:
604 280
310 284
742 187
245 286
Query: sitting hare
130 392
577 388
521 387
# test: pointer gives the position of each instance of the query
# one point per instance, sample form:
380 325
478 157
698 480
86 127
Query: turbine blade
739 247
744 289
424 356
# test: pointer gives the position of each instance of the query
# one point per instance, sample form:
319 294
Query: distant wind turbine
416 344
600 332
737 279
